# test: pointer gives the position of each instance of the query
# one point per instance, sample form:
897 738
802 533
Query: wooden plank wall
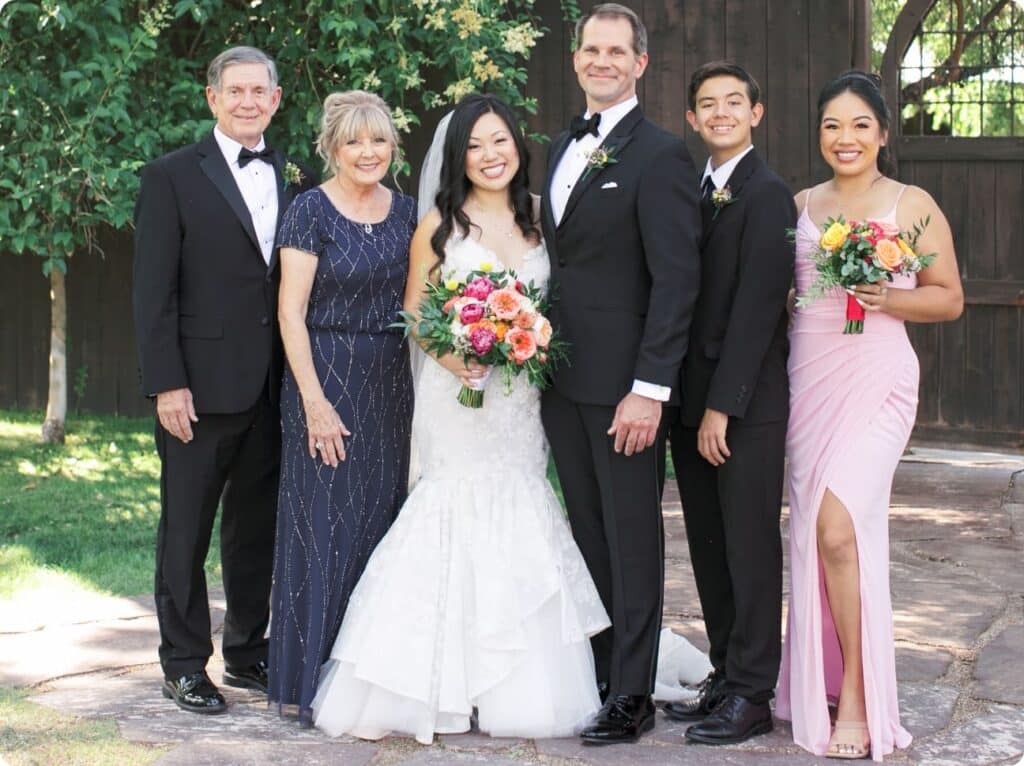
972 370
791 46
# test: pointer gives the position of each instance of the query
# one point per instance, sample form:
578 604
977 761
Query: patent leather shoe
622 719
251 677
195 693
709 693
735 719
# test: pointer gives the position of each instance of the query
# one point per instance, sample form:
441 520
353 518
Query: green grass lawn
33 735
82 515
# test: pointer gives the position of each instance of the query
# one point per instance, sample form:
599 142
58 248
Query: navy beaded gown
330 519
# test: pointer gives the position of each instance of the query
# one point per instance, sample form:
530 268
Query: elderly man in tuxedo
205 305
621 222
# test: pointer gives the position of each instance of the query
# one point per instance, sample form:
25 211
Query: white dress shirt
570 168
574 158
258 184
720 175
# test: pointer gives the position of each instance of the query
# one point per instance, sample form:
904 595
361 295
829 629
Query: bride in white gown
478 596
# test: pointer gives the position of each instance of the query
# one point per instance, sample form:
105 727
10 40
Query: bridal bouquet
858 252
490 317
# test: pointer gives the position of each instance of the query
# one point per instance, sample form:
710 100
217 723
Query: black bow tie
580 125
248 155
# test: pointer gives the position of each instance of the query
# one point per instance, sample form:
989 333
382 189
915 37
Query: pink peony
482 340
479 288
523 345
472 312
543 329
504 303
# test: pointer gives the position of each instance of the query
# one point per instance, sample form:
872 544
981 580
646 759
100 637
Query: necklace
367 227
487 213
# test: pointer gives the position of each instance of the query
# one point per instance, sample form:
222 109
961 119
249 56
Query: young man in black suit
205 307
621 223
729 445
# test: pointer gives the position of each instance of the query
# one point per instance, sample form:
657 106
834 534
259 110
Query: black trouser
235 460
732 524
614 506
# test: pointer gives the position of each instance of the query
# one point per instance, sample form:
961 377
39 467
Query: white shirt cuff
652 390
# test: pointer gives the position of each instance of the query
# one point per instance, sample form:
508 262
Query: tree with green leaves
962 75
94 89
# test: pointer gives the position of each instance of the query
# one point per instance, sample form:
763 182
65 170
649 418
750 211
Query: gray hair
615 11
242 54
346 115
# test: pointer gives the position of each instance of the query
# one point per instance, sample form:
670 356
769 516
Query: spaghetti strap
896 204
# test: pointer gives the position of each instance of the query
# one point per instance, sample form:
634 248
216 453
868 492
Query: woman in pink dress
853 402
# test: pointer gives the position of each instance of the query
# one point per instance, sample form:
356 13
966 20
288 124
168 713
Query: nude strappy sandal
849 741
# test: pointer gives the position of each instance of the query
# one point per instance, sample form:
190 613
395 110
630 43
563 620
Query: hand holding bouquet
490 317
862 252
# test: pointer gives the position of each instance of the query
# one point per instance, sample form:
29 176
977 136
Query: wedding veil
430 182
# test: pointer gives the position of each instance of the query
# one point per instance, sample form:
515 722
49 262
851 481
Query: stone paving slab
958 537
999 670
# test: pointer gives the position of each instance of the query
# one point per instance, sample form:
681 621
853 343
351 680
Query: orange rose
523 345
501 329
525 319
888 254
543 330
504 303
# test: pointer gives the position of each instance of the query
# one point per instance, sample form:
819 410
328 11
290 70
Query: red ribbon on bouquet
854 316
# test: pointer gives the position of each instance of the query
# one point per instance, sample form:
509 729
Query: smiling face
491 155
363 160
724 116
606 64
244 102
850 136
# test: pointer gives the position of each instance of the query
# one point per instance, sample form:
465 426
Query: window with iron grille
963 74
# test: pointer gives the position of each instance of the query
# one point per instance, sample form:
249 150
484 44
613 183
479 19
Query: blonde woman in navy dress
346 398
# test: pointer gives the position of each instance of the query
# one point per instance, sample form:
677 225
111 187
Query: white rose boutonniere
721 198
599 158
292 174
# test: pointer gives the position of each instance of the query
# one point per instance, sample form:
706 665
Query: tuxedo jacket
204 300
736 359
624 263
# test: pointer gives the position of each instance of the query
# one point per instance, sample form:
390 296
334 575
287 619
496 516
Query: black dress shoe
622 719
195 693
252 677
709 694
734 719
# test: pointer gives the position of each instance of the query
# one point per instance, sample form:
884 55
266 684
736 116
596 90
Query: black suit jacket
624 263
736 361
205 301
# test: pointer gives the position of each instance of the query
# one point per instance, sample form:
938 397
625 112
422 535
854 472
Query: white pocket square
610 185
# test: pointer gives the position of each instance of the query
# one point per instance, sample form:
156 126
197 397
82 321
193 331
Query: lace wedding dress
477 597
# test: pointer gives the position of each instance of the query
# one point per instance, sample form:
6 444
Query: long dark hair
868 88
454 186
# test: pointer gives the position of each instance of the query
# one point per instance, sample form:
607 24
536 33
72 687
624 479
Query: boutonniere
599 158
292 174
721 198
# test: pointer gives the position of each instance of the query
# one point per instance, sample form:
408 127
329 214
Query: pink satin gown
853 399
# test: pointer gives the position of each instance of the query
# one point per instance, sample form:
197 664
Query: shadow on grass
88 510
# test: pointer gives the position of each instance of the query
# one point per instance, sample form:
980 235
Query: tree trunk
57 398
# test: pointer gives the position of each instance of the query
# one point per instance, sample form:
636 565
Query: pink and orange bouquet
862 252
493 318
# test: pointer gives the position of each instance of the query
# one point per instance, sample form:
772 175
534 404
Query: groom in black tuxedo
729 445
205 308
621 222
